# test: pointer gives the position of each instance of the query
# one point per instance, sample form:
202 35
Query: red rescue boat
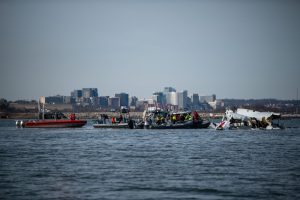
53 123
50 119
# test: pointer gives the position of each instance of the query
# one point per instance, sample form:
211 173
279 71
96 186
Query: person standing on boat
196 119
120 118
173 118
72 116
113 120
196 116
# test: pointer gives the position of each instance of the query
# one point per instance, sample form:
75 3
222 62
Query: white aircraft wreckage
249 119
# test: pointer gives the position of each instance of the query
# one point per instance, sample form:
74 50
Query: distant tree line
274 105
4 105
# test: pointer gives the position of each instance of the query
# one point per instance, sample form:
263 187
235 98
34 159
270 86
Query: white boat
109 125
123 121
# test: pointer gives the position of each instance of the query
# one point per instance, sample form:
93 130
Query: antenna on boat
297 104
42 101
39 109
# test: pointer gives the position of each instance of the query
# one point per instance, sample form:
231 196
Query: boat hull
186 125
121 125
54 123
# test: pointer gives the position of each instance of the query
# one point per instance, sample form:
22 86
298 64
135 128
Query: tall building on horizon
89 92
182 99
195 99
169 89
124 99
172 98
114 102
103 101
159 98
76 94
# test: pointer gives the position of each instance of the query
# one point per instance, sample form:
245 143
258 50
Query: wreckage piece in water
249 119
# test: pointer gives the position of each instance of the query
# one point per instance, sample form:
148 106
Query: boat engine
19 123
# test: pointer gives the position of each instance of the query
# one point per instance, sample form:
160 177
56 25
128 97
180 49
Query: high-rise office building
182 99
124 99
195 99
159 98
169 89
89 92
76 94
172 98
103 101
114 102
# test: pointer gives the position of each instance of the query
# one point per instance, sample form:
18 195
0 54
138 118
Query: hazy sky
235 49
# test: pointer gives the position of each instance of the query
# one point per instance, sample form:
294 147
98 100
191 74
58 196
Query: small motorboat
51 119
52 123
156 118
116 125
180 125
123 121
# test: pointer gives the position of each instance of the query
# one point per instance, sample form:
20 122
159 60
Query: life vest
72 116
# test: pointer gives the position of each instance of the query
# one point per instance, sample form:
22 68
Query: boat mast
43 111
42 101
39 109
297 104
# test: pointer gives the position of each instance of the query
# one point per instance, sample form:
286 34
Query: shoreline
135 115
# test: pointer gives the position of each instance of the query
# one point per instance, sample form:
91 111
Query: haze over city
235 49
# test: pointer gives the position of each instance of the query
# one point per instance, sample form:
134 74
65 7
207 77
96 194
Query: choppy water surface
88 163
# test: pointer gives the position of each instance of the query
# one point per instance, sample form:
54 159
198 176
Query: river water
88 163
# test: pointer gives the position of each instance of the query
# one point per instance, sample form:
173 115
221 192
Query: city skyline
241 50
167 98
74 93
